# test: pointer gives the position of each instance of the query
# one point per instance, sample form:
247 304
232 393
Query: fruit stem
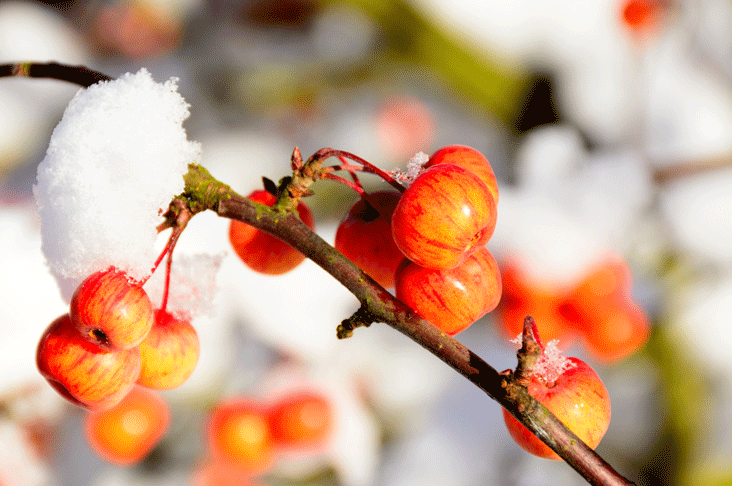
304 174
367 166
333 177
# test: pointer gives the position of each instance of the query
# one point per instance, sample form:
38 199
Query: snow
113 163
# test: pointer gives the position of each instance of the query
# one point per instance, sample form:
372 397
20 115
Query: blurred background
609 126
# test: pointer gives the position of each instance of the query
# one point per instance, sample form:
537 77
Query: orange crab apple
575 394
169 353
613 325
451 299
300 420
468 158
239 436
111 310
127 432
618 333
547 303
262 252
446 214
609 281
364 236
82 372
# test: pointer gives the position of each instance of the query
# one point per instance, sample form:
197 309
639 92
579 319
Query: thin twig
73 74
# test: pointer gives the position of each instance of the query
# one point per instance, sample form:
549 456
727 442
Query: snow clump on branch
113 164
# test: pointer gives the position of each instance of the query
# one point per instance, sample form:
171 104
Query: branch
378 305
74 74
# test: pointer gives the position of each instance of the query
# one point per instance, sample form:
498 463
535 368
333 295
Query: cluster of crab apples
112 339
428 244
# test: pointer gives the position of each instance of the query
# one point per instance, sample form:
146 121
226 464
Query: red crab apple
364 236
300 420
468 158
169 353
446 214
111 310
82 372
576 396
265 253
451 299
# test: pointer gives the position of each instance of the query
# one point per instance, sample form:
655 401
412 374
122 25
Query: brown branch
381 306
74 74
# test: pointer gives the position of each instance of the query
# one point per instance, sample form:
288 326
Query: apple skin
364 236
578 398
262 252
443 216
127 432
239 436
82 372
468 158
169 353
451 299
111 311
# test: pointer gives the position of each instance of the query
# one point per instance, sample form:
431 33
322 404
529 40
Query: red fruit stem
333 177
365 167
157 262
352 173
177 231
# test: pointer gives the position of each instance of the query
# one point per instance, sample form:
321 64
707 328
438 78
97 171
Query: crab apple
239 436
576 396
301 420
444 215
613 325
606 282
169 353
618 333
641 14
468 158
451 299
127 432
547 303
111 310
262 252
364 236
82 372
